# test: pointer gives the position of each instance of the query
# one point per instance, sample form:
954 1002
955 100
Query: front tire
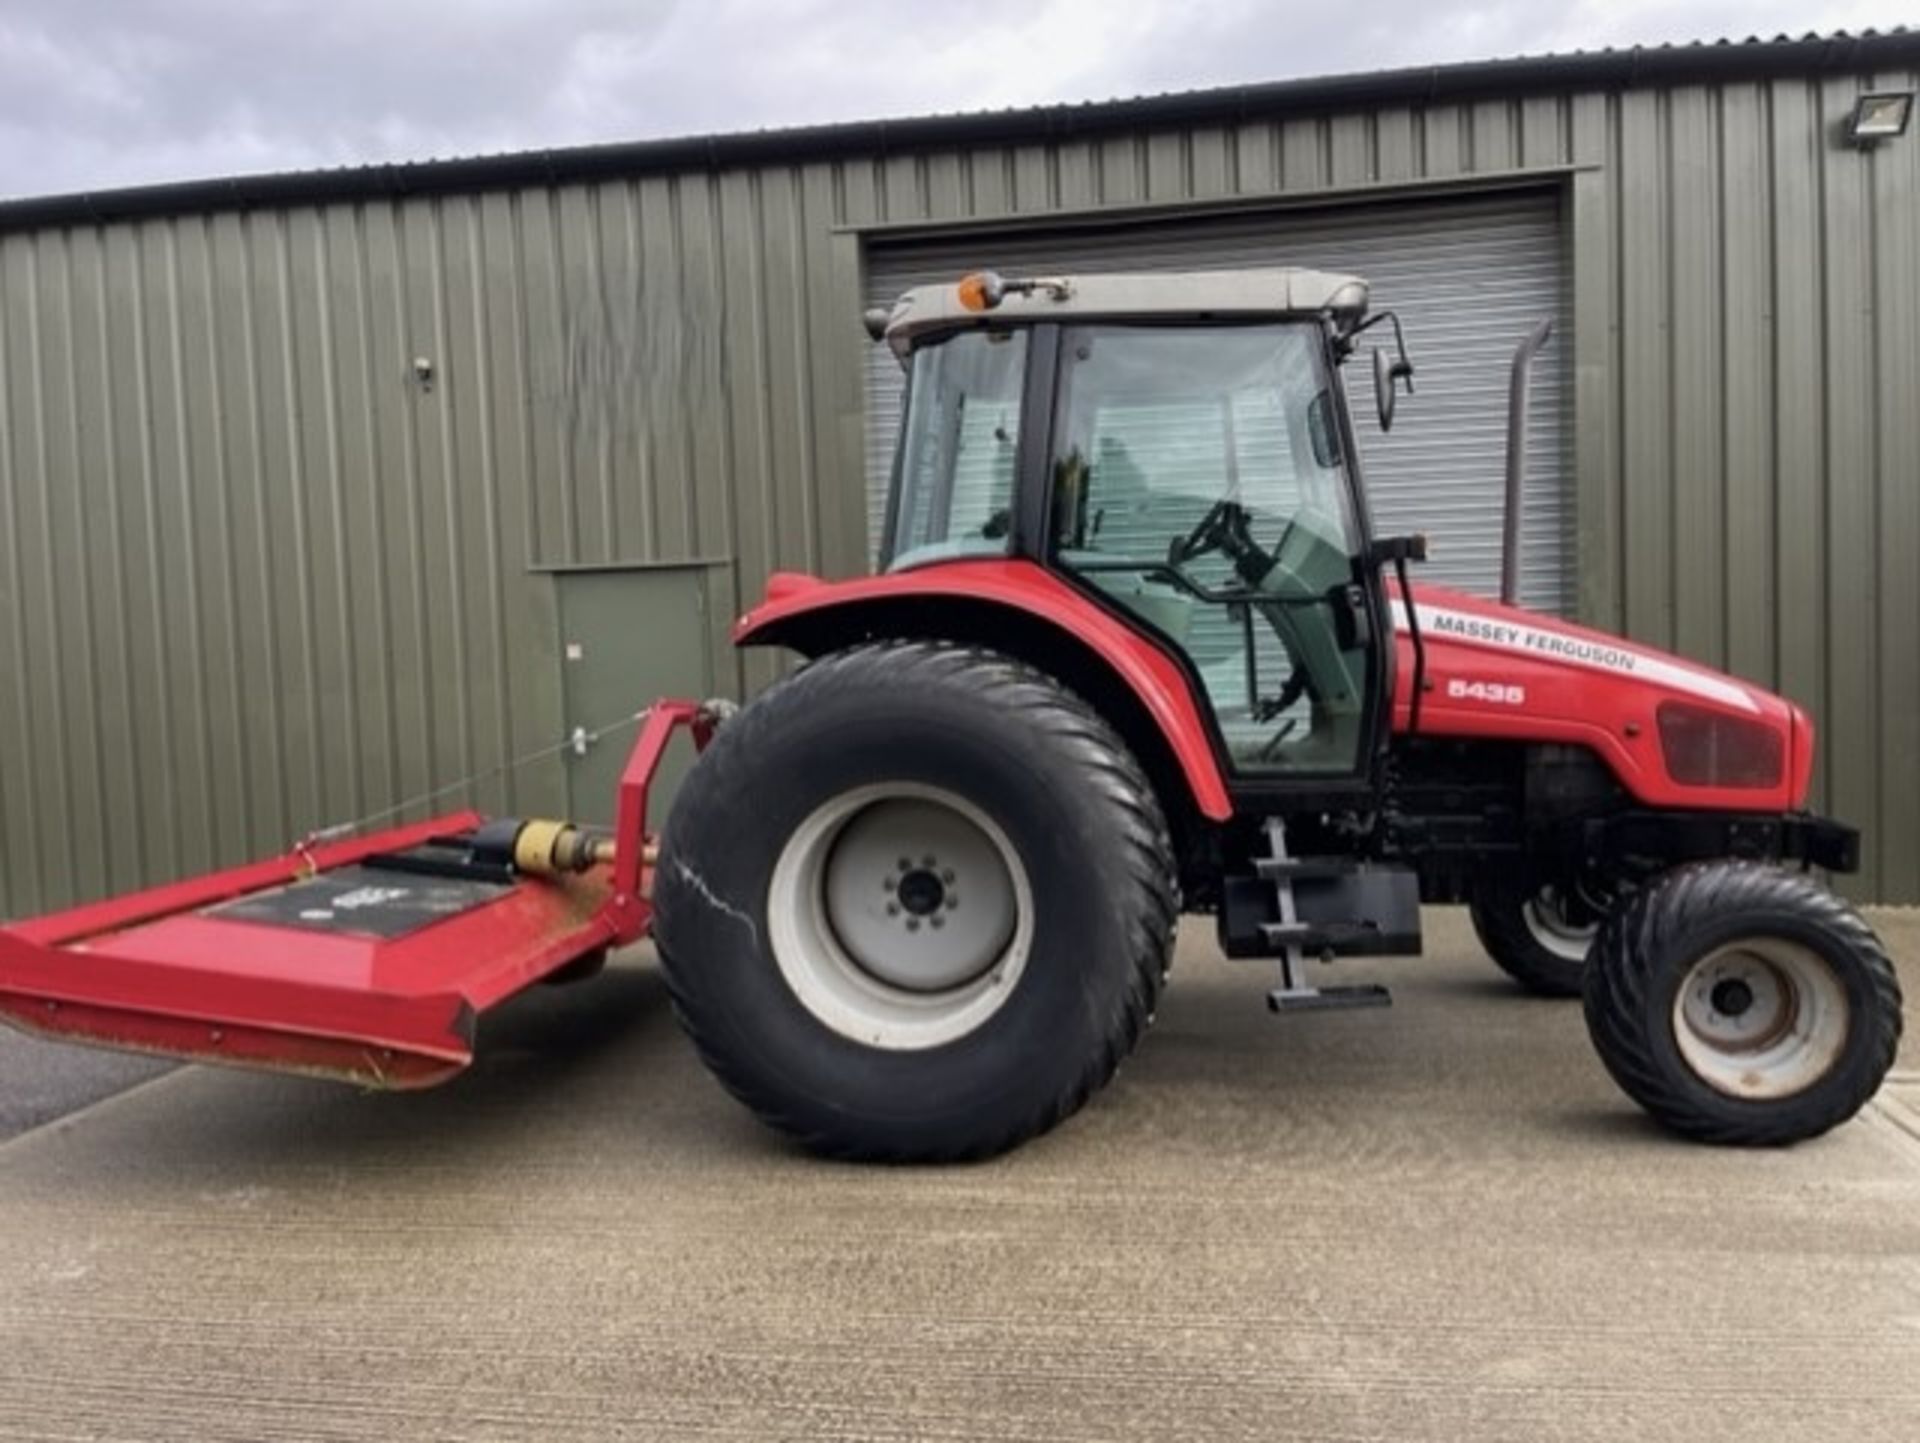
1741 1004
915 903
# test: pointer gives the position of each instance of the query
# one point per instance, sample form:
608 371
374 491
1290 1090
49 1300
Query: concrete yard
1437 1222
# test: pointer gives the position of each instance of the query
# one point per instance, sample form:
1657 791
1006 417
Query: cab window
954 491
1198 481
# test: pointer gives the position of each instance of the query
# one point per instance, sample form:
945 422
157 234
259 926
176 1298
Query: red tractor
1135 650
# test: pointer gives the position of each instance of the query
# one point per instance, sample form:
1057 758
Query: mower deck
353 971
368 960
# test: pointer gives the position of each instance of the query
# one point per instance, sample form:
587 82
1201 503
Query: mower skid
368 960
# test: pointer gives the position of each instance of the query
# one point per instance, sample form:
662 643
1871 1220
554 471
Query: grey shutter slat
1469 278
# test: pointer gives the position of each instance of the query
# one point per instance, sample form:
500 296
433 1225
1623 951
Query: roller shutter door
1469 279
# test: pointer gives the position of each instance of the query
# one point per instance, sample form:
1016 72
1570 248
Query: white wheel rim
1760 1019
900 916
1546 918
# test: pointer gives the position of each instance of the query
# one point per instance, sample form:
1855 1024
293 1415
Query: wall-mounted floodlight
1880 117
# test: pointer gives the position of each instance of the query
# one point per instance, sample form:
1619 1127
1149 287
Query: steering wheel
1225 521
1226 528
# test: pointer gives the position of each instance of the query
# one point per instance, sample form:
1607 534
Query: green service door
627 639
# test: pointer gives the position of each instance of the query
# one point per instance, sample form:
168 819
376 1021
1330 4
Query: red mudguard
1024 587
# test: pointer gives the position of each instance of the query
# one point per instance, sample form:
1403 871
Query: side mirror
1383 396
1385 374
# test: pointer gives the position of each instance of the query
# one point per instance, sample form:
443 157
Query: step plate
1327 999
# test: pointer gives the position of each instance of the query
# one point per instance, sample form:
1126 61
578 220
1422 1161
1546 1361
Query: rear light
1710 749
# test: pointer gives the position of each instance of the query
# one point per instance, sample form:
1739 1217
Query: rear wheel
915 903
1539 933
1741 1004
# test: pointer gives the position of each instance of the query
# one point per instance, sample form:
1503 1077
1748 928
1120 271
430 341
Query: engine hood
1494 670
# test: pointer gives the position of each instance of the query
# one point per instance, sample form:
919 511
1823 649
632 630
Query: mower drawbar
367 959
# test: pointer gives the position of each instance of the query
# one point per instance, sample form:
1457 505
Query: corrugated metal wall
1749 438
256 577
253 577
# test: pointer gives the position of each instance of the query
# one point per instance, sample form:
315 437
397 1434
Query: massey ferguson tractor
1134 651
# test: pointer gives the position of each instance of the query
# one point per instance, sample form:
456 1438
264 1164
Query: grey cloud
115 91
112 92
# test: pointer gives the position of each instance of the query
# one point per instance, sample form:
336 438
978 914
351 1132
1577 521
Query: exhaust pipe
1518 389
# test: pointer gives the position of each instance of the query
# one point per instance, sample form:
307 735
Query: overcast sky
97 93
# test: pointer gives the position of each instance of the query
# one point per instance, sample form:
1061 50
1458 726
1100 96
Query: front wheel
915 903
1539 933
1738 1003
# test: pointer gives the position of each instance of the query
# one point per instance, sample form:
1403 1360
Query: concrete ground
41 1082
1436 1222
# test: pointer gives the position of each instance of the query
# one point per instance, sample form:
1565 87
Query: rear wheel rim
1761 1019
900 916
1545 914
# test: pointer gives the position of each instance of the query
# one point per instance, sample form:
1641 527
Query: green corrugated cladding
255 577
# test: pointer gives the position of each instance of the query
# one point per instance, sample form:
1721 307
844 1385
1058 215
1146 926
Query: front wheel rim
1761 1019
900 916
1545 914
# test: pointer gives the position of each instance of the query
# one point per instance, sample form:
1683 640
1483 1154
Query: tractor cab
1179 448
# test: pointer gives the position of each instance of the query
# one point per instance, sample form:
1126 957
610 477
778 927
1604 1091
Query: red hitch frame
173 970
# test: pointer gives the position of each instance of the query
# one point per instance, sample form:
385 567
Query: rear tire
1525 927
1741 1004
915 903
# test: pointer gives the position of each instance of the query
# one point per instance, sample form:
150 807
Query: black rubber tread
1124 878
1499 920
1644 952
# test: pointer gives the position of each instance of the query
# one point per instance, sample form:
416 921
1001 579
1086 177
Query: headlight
1709 749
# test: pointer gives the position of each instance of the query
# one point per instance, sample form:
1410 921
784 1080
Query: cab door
1200 480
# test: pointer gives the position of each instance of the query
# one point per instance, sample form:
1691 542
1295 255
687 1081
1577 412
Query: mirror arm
1404 365
1402 368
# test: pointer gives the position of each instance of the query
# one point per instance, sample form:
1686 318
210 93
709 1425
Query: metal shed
319 491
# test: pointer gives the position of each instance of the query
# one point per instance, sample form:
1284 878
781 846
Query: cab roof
1272 292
